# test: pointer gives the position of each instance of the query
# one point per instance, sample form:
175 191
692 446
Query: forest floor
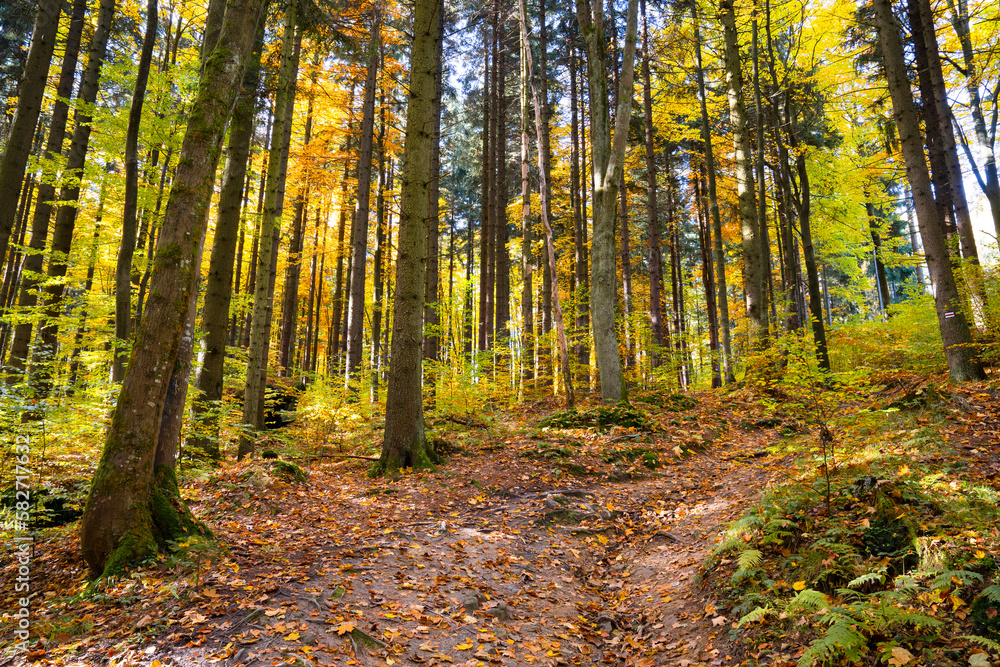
529 545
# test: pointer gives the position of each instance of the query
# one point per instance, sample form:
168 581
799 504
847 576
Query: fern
943 580
983 641
748 559
992 592
809 599
841 638
878 575
757 614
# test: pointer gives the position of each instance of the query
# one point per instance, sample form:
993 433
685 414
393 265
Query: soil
527 546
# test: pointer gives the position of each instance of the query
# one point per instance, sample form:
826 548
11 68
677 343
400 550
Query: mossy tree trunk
133 508
404 443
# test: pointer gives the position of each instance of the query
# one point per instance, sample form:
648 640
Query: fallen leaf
799 585
900 656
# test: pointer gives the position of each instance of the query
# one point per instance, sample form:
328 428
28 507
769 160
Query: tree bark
69 196
543 189
432 274
40 219
989 183
277 169
955 333
713 205
123 269
404 443
133 508
652 214
527 305
218 289
359 235
754 274
607 158
29 103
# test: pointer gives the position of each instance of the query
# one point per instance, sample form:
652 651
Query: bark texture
133 508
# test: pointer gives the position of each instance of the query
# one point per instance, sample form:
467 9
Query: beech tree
607 170
133 508
955 333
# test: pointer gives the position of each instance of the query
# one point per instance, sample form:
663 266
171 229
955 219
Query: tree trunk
432 274
359 235
133 508
34 257
881 282
607 158
580 227
543 189
486 184
123 269
218 289
990 185
955 334
754 274
652 221
713 205
29 103
527 306
277 169
293 262
404 443
707 281
69 196
377 269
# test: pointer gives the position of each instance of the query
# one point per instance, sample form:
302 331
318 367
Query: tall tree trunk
754 274
69 196
88 284
293 263
29 104
955 334
277 169
809 253
485 229
34 257
707 279
652 221
607 158
377 269
123 269
218 289
132 507
543 189
988 182
578 165
432 275
359 235
544 148
404 443
501 320
713 206
527 306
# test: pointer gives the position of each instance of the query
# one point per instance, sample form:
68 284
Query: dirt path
529 546
500 558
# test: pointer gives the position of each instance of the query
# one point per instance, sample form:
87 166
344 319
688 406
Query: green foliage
909 340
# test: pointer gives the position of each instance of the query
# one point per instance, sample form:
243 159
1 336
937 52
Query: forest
364 332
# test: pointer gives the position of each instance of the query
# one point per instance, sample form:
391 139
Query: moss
133 549
172 519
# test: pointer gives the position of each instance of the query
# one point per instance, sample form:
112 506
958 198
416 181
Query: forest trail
501 557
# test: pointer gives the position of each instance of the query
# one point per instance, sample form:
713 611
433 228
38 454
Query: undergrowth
878 548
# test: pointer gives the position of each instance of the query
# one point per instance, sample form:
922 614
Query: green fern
944 580
757 614
878 575
840 639
983 641
748 559
992 593
809 599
